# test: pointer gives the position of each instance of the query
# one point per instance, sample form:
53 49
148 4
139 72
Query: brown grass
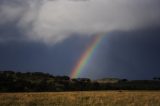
102 98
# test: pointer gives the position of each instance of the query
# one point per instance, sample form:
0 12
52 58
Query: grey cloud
52 22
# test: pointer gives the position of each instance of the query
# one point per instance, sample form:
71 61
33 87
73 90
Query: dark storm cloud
135 54
29 56
123 54
52 22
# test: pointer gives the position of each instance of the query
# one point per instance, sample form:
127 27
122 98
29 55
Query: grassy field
102 98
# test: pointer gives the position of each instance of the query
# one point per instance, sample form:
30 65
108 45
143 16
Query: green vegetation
102 98
11 81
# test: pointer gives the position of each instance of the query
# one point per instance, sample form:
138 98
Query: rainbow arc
86 56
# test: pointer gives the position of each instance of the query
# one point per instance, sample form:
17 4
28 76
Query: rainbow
86 57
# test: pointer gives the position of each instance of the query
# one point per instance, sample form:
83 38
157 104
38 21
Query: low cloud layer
52 21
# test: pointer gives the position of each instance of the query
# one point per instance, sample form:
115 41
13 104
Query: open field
97 98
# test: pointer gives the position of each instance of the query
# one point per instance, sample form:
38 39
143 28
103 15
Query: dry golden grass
101 98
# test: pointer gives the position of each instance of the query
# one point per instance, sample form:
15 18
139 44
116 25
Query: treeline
11 81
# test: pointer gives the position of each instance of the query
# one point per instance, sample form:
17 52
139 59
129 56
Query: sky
51 35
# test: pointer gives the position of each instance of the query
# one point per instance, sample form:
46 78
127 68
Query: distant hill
108 80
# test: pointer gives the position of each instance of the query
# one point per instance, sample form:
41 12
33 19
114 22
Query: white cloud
52 21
